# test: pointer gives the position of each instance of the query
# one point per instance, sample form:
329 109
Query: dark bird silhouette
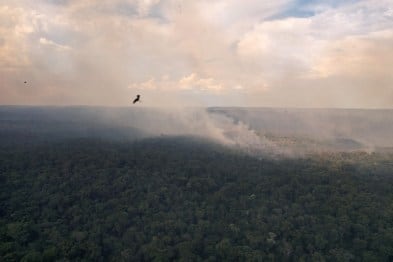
25 82
136 99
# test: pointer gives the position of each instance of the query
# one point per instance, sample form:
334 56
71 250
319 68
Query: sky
282 53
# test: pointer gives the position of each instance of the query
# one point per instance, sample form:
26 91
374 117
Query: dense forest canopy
70 191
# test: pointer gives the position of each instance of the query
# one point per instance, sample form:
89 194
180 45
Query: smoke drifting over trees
219 184
256 130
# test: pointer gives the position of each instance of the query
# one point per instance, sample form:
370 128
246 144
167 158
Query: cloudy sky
282 53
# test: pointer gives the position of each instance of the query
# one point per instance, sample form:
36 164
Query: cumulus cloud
227 52
192 81
188 82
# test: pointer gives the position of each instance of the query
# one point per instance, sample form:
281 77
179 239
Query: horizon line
206 107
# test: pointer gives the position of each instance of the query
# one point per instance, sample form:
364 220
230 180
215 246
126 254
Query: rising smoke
290 132
261 131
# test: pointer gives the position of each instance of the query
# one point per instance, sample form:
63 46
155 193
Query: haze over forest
258 130
217 184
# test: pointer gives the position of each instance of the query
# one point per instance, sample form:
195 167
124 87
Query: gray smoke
260 131
264 130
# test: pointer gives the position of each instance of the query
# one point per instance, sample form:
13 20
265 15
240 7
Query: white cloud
144 6
192 81
358 56
280 47
57 46
14 30
304 46
232 13
228 45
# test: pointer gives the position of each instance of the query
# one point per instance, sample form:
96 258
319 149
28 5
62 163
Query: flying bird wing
136 99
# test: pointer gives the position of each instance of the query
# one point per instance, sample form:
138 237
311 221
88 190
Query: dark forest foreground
177 198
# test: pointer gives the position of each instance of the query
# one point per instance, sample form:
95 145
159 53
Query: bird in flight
136 99
25 82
